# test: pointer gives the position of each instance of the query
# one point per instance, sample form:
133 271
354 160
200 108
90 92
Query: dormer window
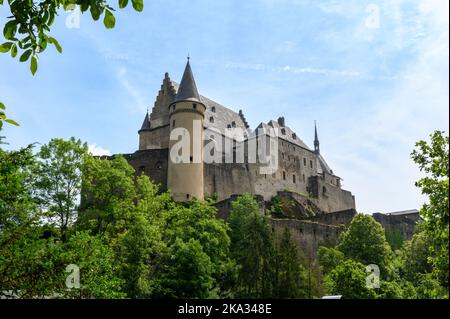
229 126
211 119
233 124
283 131
213 109
294 136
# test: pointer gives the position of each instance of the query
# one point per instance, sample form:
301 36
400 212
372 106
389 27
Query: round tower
185 163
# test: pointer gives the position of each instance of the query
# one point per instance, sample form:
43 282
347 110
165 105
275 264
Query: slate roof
404 212
146 123
222 116
287 134
187 89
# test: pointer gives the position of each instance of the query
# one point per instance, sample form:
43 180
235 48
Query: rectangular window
310 163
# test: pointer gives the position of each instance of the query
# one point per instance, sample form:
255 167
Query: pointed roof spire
316 139
146 123
188 88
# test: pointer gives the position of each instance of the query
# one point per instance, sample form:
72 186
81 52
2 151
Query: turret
186 116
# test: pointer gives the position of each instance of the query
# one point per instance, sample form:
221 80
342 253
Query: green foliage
252 248
394 238
187 271
97 265
433 160
57 180
329 258
290 275
365 242
3 115
349 280
29 25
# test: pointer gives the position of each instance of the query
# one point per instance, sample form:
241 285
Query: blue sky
374 74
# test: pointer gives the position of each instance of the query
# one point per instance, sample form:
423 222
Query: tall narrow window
173 123
293 179
284 175
310 163
304 161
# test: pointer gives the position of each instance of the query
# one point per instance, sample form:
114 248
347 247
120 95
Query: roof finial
316 139
188 57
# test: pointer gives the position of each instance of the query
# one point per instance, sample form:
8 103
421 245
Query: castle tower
186 115
316 140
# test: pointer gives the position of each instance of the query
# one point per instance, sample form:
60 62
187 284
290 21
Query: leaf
5 47
33 64
109 21
10 29
55 43
138 5
14 50
25 55
12 122
123 3
2 106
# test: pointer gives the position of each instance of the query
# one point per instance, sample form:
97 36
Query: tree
186 271
57 180
291 276
252 248
28 27
365 242
349 280
4 119
97 267
198 221
329 258
433 160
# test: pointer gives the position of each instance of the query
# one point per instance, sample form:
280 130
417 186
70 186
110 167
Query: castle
300 170
313 204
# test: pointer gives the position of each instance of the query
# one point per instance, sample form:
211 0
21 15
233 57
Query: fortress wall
308 235
291 160
331 198
154 139
403 224
227 179
336 218
153 163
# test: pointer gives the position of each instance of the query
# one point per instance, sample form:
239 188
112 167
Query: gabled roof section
285 133
188 88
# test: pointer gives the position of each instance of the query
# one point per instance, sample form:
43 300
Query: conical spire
187 89
316 139
146 123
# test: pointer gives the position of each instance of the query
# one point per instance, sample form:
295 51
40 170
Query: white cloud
139 100
96 150
293 69
373 154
